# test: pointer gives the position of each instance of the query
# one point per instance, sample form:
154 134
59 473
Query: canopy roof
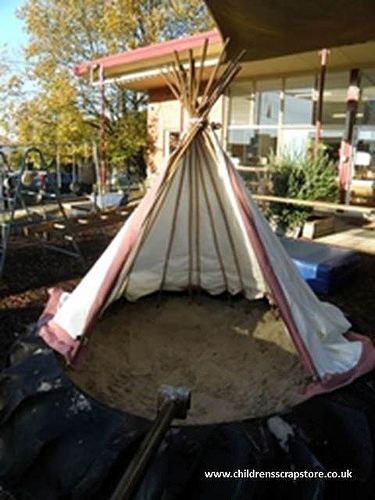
271 28
152 56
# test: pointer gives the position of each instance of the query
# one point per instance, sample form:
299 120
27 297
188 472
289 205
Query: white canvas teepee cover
199 228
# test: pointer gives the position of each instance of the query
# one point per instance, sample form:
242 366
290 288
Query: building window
252 146
253 121
267 102
366 112
294 141
277 115
171 142
298 100
241 105
262 145
364 159
334 107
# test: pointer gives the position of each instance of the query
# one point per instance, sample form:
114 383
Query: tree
11 92
64 33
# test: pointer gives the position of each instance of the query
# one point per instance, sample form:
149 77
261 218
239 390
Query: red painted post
324 53
103 133
346 149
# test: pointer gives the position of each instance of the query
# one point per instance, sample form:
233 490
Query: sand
234 355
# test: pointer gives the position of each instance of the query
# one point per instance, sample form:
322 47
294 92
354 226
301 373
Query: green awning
271 28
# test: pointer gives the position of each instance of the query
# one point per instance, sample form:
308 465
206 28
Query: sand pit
233 354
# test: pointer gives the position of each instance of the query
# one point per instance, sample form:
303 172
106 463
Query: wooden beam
79 223
256 170
321 205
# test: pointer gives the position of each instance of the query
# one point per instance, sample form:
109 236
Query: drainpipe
346 149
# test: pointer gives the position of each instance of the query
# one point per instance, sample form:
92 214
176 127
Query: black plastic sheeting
58 443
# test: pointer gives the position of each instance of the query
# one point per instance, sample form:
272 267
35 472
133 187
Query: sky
11 30
12 40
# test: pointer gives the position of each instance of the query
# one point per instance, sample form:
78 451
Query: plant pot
281 230
317 226
294 232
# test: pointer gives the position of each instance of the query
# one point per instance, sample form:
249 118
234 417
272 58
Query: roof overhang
147 62
146 75
152 77
360 55
272 28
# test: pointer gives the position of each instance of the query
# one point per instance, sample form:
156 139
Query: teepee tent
198 228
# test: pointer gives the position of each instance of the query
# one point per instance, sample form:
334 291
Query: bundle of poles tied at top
185 85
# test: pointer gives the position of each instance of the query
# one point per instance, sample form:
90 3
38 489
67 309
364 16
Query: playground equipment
29 197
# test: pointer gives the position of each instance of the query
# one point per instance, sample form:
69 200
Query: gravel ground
30 271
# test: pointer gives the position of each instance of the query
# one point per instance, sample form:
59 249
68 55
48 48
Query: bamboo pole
171 86
190 218
212 221
192 82
197 214
222 209
200 72
214 73
173 227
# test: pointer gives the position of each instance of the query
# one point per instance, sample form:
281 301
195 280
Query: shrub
304 176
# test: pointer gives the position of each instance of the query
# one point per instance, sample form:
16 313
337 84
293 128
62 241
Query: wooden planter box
317 226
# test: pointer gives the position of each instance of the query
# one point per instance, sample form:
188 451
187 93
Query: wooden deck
358 237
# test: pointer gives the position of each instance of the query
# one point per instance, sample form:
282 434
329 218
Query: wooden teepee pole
200 72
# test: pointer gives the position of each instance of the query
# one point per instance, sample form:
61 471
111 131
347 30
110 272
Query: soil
234 356
30 271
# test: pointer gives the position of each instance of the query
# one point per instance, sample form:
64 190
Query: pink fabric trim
50 332
51 306
330 382
269 274
128 240
58 338
333 381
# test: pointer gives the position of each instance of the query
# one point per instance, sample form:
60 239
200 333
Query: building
274 105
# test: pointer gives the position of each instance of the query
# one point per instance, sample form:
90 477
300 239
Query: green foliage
65 33
306 176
